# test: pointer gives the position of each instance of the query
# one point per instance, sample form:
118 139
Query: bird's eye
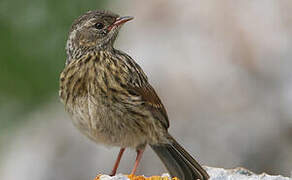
99 26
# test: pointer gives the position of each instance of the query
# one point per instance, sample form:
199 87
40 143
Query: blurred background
222 69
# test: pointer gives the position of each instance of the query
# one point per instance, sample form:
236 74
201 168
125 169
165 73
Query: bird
109 98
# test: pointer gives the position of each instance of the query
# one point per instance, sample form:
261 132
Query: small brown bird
110 100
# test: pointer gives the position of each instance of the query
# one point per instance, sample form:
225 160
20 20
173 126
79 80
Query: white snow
218 174
239 174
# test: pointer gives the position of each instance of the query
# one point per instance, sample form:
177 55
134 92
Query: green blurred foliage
32 39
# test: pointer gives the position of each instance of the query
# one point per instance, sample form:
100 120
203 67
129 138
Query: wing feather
151 99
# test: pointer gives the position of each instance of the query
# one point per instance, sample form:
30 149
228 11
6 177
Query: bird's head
95 30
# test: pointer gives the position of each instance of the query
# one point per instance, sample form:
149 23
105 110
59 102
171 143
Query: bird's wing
139 86
152 101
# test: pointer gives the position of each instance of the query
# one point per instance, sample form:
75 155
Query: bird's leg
117 162
138 158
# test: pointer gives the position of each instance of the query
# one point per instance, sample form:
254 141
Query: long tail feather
179 162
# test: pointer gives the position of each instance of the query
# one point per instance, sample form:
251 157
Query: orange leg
138 158
117 161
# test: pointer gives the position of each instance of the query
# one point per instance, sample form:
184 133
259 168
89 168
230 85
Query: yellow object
133 177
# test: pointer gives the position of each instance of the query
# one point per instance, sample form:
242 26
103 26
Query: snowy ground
219 174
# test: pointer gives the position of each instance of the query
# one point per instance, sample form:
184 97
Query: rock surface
215 174
240 174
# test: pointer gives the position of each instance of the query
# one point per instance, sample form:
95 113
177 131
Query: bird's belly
107 124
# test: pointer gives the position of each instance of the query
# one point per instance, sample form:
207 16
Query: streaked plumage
110 100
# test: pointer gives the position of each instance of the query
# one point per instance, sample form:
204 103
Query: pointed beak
119 21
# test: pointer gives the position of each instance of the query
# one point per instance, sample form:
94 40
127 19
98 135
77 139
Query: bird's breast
101 108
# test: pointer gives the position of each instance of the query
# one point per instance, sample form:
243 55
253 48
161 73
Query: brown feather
150 97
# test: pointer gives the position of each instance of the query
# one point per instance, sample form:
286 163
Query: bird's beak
119 21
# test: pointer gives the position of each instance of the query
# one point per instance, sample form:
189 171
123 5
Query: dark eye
99 26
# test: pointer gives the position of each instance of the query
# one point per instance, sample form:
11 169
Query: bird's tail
179 162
